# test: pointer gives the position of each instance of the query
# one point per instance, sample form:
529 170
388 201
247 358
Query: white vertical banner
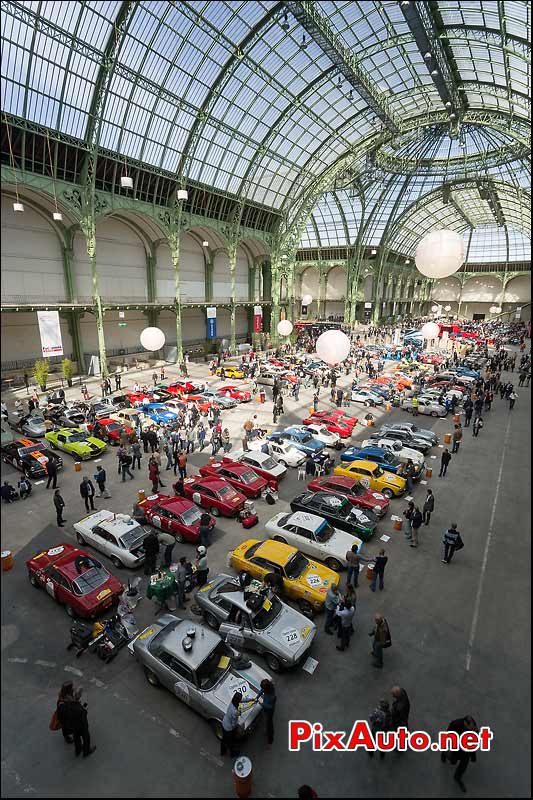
50 331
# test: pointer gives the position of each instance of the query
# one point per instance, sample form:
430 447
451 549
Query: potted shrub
40 372
67 368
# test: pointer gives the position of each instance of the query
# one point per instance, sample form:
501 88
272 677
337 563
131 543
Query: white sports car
426 405
262 462
314 536
118 536
321 433
366 397
285 454
396 447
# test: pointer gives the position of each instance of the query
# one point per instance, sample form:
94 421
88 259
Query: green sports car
77 442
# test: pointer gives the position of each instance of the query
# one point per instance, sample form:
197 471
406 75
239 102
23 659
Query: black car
30 457
397 435
338 511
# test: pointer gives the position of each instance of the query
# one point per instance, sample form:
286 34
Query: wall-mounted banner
258 319
212 323
50 330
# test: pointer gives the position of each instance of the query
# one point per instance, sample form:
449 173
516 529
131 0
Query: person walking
205 529
513 397
354 560
460 757
379 570
51 468
202 568
230 725
428 507
181 581
468 407
151 552
66 694
125 464
136 455
76 720
154 377
331 604
382 639
477 425
345 612
416 522
267 698
380 720
457 436
408 514
169 542
87 492
100 479
452 541
59 504
182 464
445 459
400 708
414 406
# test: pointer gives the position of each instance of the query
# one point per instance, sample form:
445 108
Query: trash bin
141 495
447 438
242 776
429 472
457 418
387 406
370 571
7 560
398 524
77 466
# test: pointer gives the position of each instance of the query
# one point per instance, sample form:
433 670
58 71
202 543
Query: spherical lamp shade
440 253
152 339
434 309
430 330
333 347
493 309
498 310
285 327
307 299
447 308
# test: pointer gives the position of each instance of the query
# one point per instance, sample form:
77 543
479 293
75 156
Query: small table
160 589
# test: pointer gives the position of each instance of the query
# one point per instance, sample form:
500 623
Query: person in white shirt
346 612
230 725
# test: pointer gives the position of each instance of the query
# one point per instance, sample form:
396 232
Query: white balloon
152 338
333 347
440 253
430 330
284 327
307 299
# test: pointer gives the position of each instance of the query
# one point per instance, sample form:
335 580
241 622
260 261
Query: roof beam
448 197
487 191
423 19
503 33
319 29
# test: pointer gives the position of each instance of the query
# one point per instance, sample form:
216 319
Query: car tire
152 678
214 512
283 463
53 445
212 621
70 611
273 662
80 539
216 727
280 539
117 562
434 414
333 564
33 580
388 493
339 446
306 608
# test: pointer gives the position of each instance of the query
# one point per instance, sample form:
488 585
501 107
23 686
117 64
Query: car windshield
248 477
325 532
132 536
25 451
377 472
268 463
390 459
266 616
90 580
306 437
114 426
226 493
214 667
297 564
78 437
191 516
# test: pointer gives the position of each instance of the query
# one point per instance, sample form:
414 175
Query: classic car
235 393
29 456
222 400
403 436
366 397
74 579
29 424
215 494
238 475
257 621
384 457
176 515
336 423
263 463
354 491
338 511
230 372
314 536
77 442
300 439
319 432
374 477
158 413
65 417
118 536
110 430
420 433
426 405
284 453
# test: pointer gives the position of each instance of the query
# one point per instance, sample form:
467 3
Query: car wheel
339 446
388 493
280 539
214 512
306 608
53 445
179 538
117 562
273 662
434 414
80 539
151 677
70 611
283 463
33 580
216 727
211 620
333 564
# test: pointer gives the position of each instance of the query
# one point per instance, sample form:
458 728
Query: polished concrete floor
461 643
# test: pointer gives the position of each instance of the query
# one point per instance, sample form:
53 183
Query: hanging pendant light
126 182
18 205
182 194
205 243
57 216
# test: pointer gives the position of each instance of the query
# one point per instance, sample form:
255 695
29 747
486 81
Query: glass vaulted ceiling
222 93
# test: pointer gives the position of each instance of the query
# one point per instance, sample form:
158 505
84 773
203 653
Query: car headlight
379 508
317 604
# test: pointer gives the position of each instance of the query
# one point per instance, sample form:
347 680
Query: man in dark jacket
51 468
428 507
76 718
445 459
151 551
59 504
87 492
382 639
451 540
468 409
400 708
416 522
379 570
460 757
457 436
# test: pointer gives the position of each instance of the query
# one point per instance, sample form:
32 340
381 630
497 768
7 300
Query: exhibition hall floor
460 637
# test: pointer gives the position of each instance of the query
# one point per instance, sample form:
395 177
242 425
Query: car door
306 541
101 540
62 441
238 627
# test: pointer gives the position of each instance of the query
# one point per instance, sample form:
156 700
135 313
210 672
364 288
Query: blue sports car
302 440
159 413
378 455
470 373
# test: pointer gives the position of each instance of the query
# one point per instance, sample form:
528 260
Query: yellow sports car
304 580
373 477
230 372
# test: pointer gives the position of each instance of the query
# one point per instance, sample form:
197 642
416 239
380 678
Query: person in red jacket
153 474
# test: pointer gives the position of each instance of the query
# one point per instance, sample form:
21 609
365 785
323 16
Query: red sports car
178 387
136 398
334 424
235 393
215 494
352 489
347 419
109 430
75 579
239 475
176 515
202 404
446 385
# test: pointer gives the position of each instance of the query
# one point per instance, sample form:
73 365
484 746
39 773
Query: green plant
40 371
67 368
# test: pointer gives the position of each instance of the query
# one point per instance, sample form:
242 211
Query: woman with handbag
60 719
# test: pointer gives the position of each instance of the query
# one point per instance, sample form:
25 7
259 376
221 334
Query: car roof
202 645
360 462
238 469
311 522
116 524
277 552
210 480
342 480
176 504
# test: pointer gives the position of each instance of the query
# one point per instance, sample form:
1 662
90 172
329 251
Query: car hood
246 681
292 631
313 444
340 543
89 444
364 519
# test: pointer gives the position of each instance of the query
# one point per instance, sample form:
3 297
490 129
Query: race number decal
152 497
55 551
378 496
197 498
364 482
181 690
314 580
156 521
239 685
291 636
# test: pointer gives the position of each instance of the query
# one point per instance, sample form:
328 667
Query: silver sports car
264 624
196 665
